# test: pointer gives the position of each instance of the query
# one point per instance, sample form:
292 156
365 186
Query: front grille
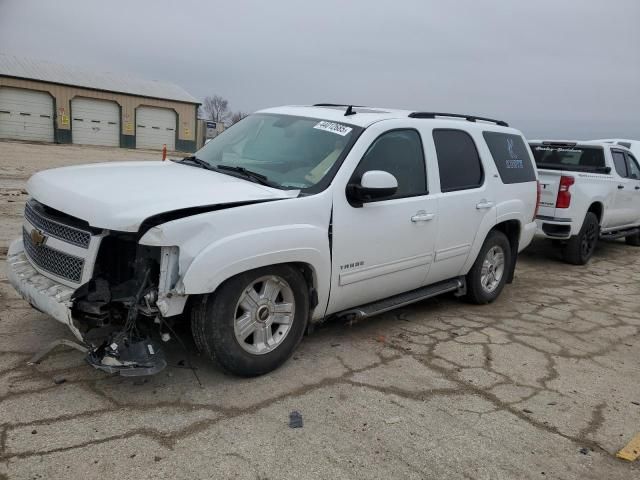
56 229
53 261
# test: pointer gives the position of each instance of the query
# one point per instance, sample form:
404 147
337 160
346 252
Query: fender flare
471 259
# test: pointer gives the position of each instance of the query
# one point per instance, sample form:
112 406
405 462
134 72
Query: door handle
484 204
637 188
422 216
620 187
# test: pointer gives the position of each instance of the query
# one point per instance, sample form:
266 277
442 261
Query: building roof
30 69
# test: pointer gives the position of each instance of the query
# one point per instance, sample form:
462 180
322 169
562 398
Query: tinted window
458 160
634 169
558 157
620 164
511 156
400 153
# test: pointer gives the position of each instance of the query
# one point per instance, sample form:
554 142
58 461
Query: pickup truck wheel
633 240
254 321
579 249
487 277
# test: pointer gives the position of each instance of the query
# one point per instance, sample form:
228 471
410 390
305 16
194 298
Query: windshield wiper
248 174
197 161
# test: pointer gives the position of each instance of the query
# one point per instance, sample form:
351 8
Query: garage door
155 127
95 122
26 115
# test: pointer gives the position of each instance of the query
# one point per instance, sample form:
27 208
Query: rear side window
620 163
458 160
511 157
400 153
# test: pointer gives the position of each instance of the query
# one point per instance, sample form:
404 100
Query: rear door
464 201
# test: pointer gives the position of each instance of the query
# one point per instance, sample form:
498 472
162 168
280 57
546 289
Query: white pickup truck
589 190
293 215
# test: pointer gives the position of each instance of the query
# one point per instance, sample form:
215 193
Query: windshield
292 152
568 157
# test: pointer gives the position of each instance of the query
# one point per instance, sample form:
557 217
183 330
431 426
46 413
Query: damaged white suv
291 216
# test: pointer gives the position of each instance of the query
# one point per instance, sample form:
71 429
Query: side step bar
619 234
369 310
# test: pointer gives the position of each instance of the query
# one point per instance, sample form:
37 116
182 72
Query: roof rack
335 105
468 118
348 113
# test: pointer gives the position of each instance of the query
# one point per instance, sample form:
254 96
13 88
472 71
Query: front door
384 247
623 207
634 188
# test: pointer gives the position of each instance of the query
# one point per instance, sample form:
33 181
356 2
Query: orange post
164 152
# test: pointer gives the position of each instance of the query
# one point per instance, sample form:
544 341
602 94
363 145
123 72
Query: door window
458 160
400 153
634 169
620 163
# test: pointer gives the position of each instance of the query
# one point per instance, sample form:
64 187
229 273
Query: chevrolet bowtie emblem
37 237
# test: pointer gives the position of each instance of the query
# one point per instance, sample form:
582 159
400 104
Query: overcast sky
552 68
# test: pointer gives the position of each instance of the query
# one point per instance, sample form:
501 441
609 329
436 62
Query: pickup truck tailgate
549 184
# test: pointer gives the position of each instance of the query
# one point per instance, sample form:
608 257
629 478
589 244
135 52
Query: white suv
292 215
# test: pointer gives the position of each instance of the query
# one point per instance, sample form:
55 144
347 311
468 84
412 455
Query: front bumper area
41 292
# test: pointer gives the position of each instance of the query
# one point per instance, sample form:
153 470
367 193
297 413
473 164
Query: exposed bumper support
41 292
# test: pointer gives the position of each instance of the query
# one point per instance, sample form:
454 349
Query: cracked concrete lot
544 383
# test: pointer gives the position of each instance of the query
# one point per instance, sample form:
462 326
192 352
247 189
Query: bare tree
237 116
216 108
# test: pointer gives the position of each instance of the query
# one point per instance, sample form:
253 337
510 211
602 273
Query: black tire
477 292
579 248
633 240
213 322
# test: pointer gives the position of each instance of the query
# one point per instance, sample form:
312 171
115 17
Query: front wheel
488 275
254 321
579 249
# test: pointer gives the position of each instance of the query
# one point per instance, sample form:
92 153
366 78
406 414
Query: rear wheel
633 239
254 321
579 249
488 275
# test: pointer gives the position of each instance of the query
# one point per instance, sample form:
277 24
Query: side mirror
374 185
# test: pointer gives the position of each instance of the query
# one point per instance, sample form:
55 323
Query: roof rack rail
336 105
348 112
468 118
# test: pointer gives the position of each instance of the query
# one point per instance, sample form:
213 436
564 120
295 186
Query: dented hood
121 195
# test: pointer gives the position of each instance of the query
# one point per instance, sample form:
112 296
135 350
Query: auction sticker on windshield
333 127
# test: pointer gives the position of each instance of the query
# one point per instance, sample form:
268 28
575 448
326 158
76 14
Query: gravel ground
544 383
